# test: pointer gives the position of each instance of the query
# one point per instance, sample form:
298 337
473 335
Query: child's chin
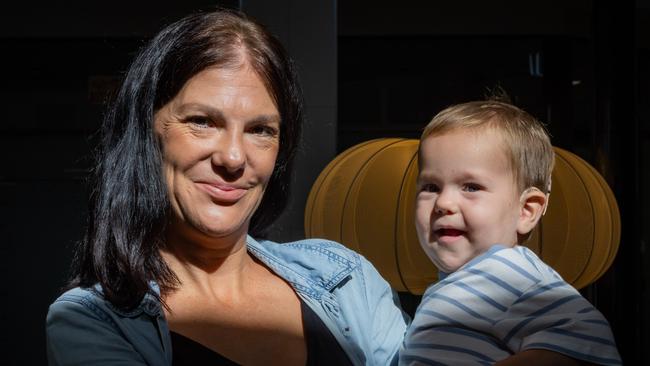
448 266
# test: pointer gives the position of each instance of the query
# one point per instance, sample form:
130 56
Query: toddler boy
483 185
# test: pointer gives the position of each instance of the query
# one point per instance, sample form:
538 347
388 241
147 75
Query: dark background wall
369 69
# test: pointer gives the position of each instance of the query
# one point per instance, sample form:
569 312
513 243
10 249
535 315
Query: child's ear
533 206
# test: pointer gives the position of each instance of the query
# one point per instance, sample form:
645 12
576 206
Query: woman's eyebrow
198 107
217 114
265 119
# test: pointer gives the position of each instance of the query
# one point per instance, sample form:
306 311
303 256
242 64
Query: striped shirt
503 302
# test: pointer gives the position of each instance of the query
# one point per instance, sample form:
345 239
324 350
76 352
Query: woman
194 163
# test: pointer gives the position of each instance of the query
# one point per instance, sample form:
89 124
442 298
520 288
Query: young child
484 182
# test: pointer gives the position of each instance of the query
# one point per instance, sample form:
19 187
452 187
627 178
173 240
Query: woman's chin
223 231
208 228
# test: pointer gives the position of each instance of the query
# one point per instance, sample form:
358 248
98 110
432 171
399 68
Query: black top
322 347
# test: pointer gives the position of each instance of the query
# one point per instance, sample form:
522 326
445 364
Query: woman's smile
223 193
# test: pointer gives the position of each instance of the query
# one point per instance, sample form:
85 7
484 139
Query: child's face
467 199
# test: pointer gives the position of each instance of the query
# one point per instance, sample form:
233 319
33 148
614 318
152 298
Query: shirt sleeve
388 320
554 316
77 335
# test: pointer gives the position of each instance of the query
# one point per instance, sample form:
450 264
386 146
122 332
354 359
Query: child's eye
430 187
472 187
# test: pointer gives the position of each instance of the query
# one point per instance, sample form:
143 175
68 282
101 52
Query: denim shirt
340 286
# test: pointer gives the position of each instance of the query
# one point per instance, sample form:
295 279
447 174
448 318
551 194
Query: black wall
370 69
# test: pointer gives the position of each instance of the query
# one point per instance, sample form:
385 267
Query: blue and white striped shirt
503 302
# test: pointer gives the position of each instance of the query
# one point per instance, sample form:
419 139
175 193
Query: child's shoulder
516 268
522 260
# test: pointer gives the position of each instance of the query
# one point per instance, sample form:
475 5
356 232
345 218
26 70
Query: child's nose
445 203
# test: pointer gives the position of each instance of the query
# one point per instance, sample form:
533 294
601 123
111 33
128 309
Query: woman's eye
264 130
430 188
199 121
472 187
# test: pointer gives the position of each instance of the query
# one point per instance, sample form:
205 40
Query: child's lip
449 232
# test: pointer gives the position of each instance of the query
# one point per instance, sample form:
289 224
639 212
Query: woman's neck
205 264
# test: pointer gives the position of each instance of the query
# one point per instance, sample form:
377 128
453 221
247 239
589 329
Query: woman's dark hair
129 206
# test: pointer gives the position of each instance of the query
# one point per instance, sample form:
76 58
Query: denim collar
150 303
313 267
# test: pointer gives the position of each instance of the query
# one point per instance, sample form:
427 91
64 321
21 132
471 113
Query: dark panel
93 19
464 17
52 101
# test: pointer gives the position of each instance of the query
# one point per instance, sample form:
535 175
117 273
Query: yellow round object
567 229
414 265
601 216
365 199
607 219
616 223
370 211
324 209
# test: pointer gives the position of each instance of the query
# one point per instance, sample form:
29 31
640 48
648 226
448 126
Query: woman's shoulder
78 298
91 302
82 327
313 248
316 261
79 305
326 246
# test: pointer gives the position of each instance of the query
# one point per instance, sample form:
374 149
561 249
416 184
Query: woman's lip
223 192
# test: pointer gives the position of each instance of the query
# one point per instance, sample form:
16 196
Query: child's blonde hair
525 139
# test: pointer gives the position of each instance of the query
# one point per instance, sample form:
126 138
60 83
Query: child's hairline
507 121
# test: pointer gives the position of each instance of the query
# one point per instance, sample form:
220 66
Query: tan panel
567 229
414 265
312 209
370 212
606 245
326 201
616 222
602 219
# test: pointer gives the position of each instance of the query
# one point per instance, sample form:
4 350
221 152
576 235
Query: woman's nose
230 153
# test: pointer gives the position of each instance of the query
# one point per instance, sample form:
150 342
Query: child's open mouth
448 236
449 232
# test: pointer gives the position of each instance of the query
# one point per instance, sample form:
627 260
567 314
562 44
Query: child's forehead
469 148
465 138
473 131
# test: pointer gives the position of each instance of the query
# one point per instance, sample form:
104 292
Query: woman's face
220 137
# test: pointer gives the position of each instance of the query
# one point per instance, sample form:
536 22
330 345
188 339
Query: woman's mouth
223 193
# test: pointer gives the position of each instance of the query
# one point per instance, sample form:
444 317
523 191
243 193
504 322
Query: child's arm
551 315
540 357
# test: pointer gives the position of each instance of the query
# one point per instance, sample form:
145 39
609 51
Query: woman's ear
533 205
